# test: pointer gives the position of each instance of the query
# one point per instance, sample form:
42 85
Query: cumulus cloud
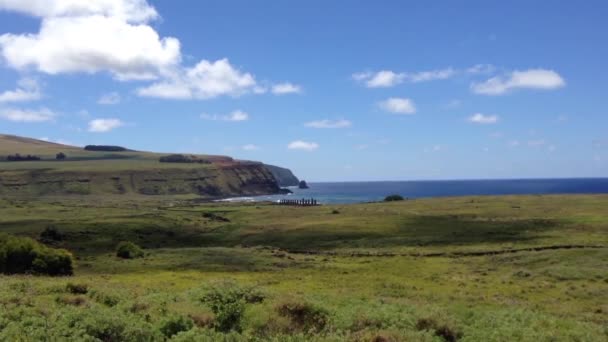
479 118
388 78
27 115
90 36
127 10
303 145
398 105
329 124
235 116
250 147
104 125
27 90
528 79
206 80
286 88
115 36
109 99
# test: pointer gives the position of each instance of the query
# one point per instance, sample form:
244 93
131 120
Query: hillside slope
130 172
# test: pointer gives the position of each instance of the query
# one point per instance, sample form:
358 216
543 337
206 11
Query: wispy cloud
27 115
329 124
303 145
528 79
250 147
104 125
483 119
109 99
389 78
235 116
286 88
28 89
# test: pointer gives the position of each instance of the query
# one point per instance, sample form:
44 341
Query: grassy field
403 271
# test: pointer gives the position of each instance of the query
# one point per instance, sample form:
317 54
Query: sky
334 90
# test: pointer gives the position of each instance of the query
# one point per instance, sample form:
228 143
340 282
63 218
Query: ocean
359 192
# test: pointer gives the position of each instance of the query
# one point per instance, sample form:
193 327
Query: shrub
449 334
24 255
303 316
77 288
60 156
393 198
182 158
105 148
227 301
18 157
335 212
129 250
51 234
174 325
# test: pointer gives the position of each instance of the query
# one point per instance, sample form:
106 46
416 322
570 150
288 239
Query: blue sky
334 90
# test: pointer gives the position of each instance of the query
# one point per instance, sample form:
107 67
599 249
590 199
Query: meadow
505 268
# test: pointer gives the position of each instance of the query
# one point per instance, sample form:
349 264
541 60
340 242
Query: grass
550 295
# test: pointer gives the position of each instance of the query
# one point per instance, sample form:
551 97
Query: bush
174 325
393 198
18 157
60 156
51 234
442 330
182 158
23 255
227 301
77 288
105 148
303 316
129 250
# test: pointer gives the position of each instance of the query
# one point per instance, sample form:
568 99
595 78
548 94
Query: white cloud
329 124
384 79
115 36
286 88
514 143
481 69
388 78
104 125
432 75
303 145
27 115
206 80
250 147
479 118
109 99
529 79
69 44
235 116
398 105
27 90
127 10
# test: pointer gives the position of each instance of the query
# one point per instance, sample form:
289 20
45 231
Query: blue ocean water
358 192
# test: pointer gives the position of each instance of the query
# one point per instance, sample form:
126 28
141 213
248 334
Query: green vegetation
19 255
129 250
182 158
106 148
111 170
393 198
504 268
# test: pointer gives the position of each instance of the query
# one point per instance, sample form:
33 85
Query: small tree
392 198
129 250
60 156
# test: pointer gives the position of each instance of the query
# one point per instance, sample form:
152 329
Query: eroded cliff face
238 179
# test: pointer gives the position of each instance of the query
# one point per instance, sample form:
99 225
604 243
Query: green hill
124 172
